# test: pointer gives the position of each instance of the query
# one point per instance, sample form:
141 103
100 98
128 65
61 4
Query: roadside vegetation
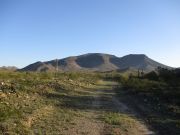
156 96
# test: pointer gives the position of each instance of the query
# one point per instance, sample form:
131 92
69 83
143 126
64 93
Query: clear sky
40 30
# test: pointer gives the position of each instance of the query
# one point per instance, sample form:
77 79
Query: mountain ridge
97 62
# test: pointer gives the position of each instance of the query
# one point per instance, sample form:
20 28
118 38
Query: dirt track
104 100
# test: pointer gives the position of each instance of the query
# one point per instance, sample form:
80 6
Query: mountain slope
136 61
97 62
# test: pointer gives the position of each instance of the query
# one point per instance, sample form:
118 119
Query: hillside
9 68
97 62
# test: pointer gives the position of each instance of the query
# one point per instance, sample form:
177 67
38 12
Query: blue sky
40 30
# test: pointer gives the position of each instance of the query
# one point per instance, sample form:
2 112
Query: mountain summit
97 62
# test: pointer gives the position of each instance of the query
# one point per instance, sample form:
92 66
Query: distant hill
97 62
11 68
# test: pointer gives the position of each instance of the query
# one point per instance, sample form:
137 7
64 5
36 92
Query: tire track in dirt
90 121
114 105
143 128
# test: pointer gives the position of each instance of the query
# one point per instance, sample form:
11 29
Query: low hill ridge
97 62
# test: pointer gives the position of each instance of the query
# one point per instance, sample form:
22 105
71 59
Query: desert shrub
113 76
172 77
141 84
153 89
152 76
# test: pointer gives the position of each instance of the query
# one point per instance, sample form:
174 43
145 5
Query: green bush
7 112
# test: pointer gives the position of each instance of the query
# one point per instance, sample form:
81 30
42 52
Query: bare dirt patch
36 115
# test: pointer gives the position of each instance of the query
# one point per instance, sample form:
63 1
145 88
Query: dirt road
106 115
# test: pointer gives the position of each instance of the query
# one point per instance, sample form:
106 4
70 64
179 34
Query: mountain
97 62
39 67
